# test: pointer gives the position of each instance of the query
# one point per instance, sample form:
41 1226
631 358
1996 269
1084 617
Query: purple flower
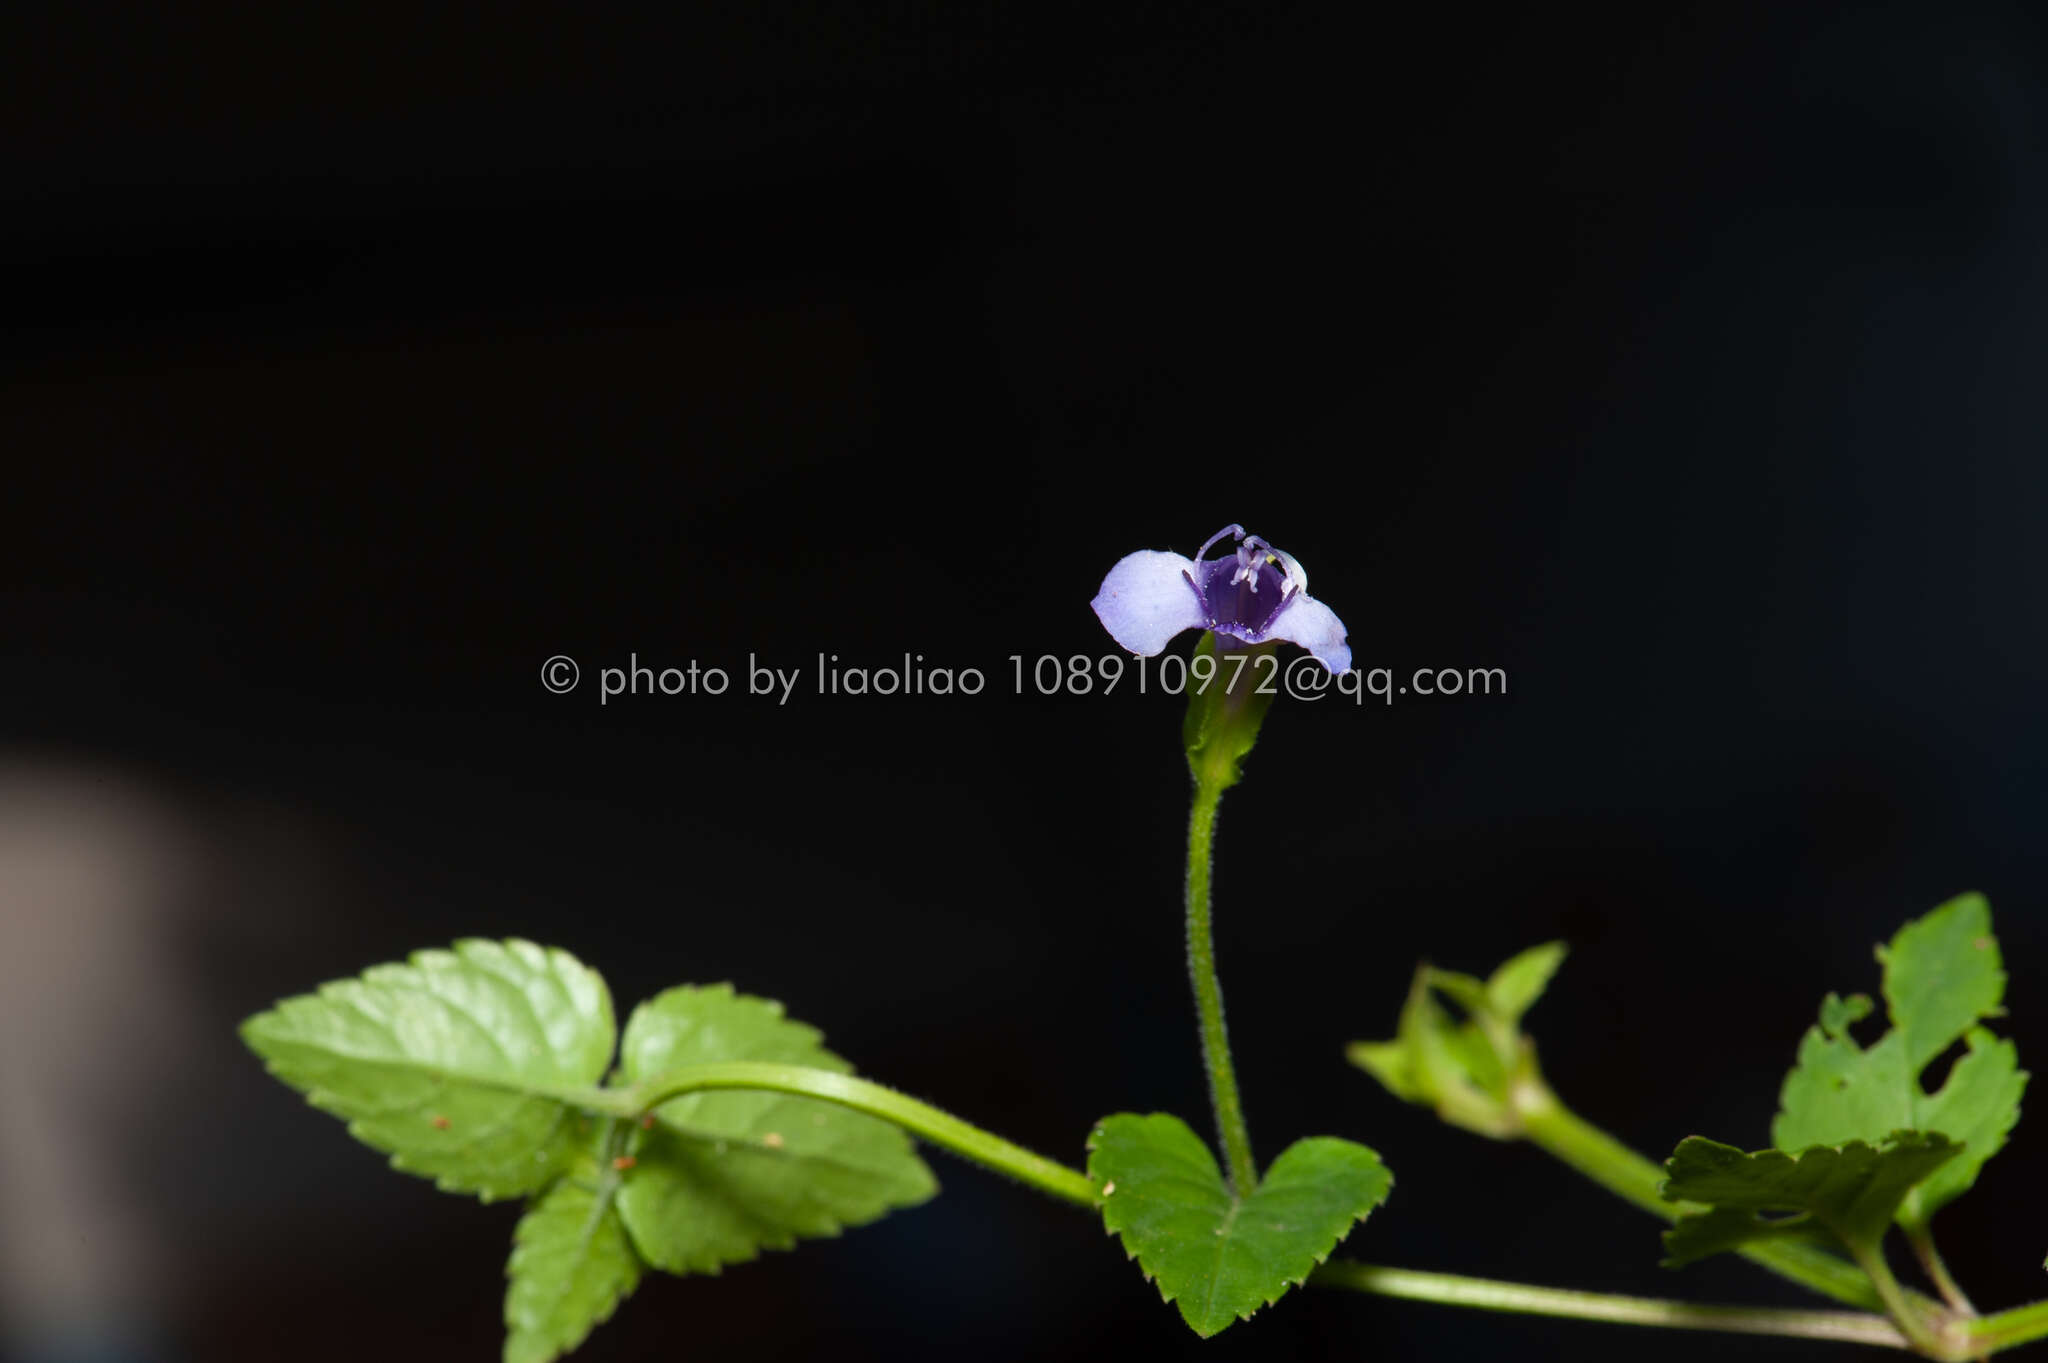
1255 594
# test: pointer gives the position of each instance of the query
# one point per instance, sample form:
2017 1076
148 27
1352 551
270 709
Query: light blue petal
1308 622
1146 600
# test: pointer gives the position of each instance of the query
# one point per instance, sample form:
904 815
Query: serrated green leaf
1849 1193
1942 975
1726 1229
572 1264
721 1176
1220 1258
449 1062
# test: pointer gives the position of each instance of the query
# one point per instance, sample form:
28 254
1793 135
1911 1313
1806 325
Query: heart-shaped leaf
1220 1257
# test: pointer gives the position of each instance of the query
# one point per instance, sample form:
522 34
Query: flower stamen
1236 530
1249 556
1292 574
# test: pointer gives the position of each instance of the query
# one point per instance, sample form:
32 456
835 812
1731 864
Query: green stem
1487 1294
920 1119
1906 1313
1230 1125
1638 1181
1921 1238
1571 1138
2005 1329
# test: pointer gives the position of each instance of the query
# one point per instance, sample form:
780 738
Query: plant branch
1956 1340
1488 1294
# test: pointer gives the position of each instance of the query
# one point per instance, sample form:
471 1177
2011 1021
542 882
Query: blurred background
1685 363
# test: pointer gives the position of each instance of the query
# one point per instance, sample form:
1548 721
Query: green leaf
1514 988
572 1264
1942 975
721 1176
1848 1193
1467 991
452 1062
1219 1257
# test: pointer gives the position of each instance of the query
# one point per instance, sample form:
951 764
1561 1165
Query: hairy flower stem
1230 1124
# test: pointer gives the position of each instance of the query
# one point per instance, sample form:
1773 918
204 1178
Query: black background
1684 364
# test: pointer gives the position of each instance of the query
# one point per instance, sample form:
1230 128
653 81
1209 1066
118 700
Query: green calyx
1479 1071
1226 710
